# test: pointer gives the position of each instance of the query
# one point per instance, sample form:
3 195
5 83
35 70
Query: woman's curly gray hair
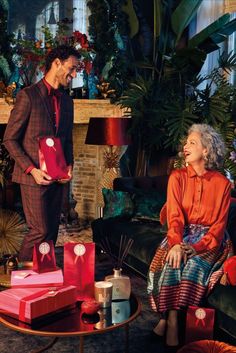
214 144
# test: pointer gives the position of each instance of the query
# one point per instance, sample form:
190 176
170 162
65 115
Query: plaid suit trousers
42 208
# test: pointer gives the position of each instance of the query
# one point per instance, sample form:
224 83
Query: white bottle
121 285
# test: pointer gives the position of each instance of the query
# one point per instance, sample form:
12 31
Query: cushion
117 204
230 270
147 204
207 346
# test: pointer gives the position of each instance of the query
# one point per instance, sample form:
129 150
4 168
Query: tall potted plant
165 99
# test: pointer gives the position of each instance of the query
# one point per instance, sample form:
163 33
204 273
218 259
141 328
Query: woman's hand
174 256
189 251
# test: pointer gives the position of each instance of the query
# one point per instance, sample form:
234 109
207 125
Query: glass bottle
11 264
121 285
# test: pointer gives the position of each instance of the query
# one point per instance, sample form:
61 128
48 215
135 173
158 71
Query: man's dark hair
62 52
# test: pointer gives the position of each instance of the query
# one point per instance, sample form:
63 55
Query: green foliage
4 67
109 31
183 15
165 100
4 4
5 41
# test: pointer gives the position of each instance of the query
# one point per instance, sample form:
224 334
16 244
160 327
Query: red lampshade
108 131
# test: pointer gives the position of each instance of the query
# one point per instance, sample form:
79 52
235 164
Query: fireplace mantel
83 110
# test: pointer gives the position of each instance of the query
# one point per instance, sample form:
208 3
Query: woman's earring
205 158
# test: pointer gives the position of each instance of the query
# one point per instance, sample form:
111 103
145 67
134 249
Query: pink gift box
32 303
30 278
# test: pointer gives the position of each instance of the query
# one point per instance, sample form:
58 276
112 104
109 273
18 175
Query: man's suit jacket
30 119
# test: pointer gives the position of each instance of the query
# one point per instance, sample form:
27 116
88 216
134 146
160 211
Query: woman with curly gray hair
198 199
214 144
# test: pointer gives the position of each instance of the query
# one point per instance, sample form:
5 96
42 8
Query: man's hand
64 181
40 177
175 256
189 251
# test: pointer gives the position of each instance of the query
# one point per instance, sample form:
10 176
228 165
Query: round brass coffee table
73 323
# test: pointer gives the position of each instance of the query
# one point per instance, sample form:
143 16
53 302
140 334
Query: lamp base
107 182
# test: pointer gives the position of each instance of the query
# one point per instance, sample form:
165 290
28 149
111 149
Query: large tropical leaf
188 60
208 31
157 19
227 29
210 44
133 20
183 15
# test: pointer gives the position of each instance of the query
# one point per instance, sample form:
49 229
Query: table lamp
111 132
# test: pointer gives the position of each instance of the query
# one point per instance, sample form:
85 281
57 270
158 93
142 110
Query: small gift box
44 259
51 158
28 304
79 268
199 324
30 278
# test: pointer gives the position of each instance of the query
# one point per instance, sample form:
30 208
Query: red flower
84 42
88 66
81 39
77 35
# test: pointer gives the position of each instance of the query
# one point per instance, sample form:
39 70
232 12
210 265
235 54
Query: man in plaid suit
42 110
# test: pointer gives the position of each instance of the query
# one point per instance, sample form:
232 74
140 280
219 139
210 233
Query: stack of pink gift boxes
45 289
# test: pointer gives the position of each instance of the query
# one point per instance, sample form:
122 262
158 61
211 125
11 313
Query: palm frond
178 121
227 61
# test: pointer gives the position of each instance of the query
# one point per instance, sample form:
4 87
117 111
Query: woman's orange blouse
193 199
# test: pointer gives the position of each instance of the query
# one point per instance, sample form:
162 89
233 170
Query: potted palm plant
165 98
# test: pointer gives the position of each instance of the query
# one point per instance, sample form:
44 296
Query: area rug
76 233
112 342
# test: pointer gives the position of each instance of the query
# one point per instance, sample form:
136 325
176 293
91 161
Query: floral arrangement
30 54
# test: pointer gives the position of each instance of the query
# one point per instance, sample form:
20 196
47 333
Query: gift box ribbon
43 255
200 322
23 301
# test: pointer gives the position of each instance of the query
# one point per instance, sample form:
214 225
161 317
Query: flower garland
30 54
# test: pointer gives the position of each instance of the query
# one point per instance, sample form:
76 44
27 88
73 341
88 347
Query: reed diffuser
121 283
